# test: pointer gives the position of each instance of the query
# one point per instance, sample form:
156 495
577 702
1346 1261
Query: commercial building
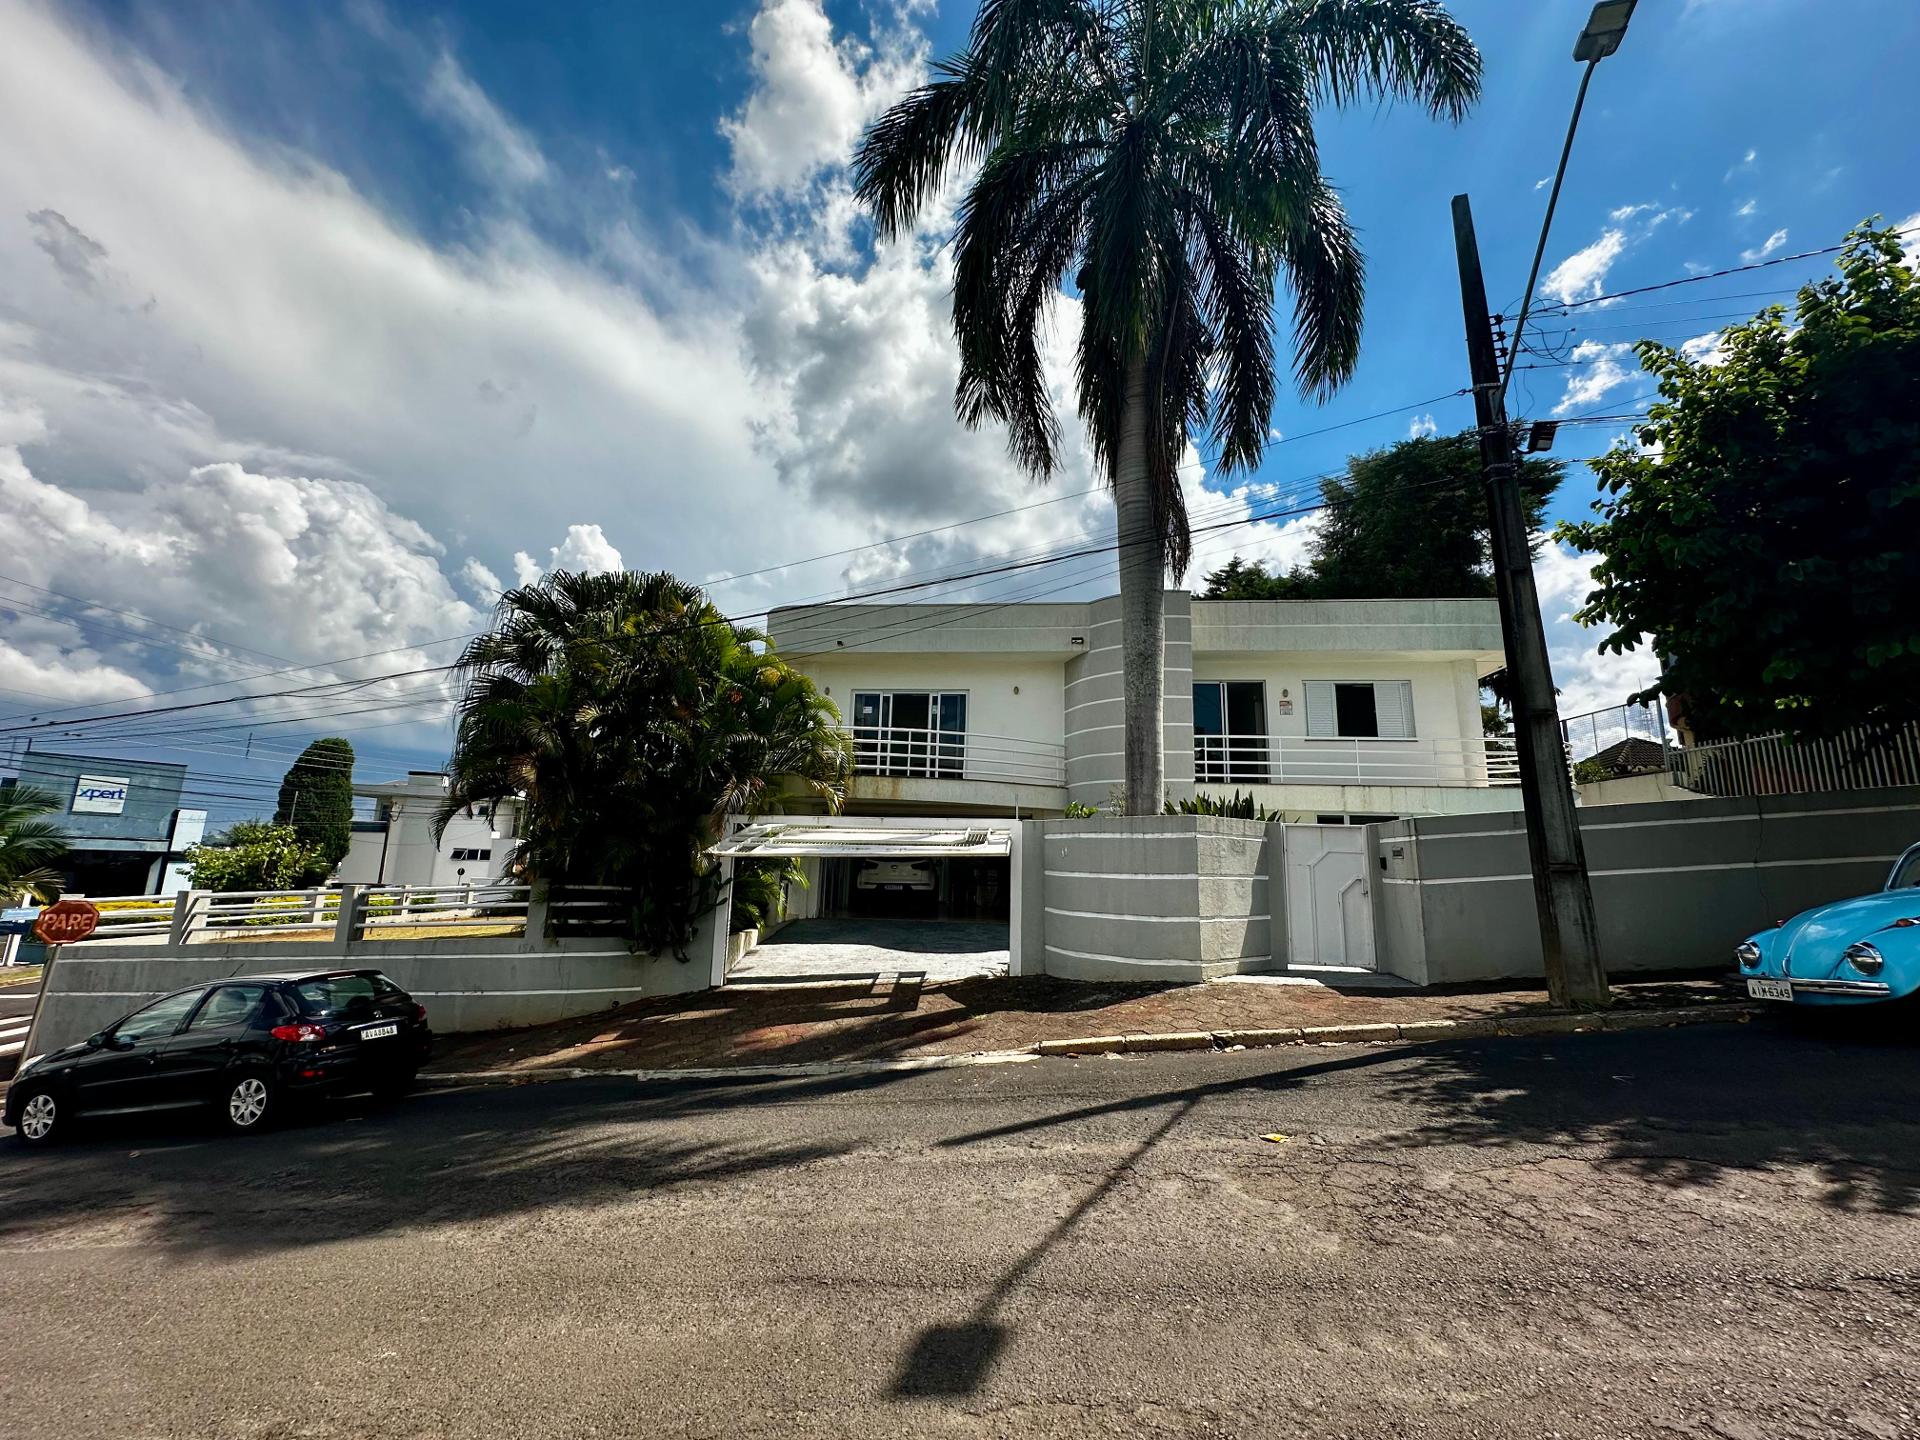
127 832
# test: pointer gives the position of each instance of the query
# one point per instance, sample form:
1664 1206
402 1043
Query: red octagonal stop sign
66 921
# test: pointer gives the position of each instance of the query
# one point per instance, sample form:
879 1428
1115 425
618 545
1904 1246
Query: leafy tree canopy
316 799
632 715
29 844
254 855
1405 522
1761 536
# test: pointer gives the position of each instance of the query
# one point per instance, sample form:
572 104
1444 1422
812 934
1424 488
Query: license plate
1770 989
379 1032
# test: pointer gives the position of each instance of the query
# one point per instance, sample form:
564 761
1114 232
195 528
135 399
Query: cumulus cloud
813 94
1583 274
1422 426
1608 368
1766 247
1586 679
1707 349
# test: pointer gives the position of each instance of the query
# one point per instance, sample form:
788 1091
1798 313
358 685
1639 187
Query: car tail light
1905 920
420 1012
301 1034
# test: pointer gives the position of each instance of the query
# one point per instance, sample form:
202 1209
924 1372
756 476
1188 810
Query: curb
1409 1032
1416 1031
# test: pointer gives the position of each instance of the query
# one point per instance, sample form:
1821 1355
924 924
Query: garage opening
913 896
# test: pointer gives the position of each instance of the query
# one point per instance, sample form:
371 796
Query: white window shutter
1322 721
1393 703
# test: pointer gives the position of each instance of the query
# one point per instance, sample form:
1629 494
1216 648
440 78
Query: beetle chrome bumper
1865 989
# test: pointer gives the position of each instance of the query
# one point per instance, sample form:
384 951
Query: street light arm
1546 225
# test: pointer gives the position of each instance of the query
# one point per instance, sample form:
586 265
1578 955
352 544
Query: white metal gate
1329 896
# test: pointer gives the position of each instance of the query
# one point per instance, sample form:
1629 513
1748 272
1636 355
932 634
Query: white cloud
587 550
1910 227
1422 426
1608 368
484 584
812 97
1746 208
1622 214
1707 349
1586 679
1543 182
496 148
1583 274
1772 243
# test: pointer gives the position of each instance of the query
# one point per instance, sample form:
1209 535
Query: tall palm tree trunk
1142 615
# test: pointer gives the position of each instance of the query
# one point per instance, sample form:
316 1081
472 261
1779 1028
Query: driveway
823 949
1709 1233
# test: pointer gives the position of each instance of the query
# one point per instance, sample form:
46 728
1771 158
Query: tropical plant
29 844
254 855
1409 521
760 892
632 716
316 799
1161 155
1240 807
1760 536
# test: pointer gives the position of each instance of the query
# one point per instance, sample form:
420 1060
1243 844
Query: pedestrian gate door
1329 896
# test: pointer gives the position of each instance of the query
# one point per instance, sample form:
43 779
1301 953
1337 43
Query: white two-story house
1326 711
395 845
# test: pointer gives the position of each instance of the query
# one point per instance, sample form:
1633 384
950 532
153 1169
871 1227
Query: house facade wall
1065 661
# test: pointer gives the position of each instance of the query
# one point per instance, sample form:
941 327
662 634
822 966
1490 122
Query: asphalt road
1704 1232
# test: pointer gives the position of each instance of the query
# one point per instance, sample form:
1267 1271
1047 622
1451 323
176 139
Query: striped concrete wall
1178 897
1675 884
466 985
1094 706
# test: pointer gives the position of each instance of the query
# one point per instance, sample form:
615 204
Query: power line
1567 305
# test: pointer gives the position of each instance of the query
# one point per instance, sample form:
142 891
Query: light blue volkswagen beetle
1847 953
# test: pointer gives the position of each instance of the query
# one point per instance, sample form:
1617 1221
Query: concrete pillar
186 917
346 927
1277 893
538 900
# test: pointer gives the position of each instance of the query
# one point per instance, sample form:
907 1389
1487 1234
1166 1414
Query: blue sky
318 323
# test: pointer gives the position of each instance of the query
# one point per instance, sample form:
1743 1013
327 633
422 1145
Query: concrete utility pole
1569 938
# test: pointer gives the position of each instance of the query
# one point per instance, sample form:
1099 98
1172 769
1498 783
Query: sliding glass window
1230 732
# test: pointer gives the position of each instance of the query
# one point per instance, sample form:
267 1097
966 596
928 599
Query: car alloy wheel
37 1118
247 1102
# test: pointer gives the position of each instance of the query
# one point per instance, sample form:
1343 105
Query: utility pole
1569 939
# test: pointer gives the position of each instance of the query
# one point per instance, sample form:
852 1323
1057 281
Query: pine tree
316 799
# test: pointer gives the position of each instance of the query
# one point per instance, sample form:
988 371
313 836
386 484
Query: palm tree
28 845
1161 153
631 715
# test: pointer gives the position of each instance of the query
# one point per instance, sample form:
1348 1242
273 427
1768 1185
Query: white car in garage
895 875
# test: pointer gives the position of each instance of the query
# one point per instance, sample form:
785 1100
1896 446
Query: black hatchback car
243 1046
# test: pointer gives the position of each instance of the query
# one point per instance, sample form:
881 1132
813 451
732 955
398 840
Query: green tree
1761 536
632 716
1161 154
1405 522
254 855
29 844
316 799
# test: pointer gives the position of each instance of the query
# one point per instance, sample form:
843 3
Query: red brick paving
849 1022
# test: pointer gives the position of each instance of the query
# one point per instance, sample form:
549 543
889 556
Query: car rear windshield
337 995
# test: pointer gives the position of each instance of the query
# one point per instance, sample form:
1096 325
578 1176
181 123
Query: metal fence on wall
1775 765
1597 730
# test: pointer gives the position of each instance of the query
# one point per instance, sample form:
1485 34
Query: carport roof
786 839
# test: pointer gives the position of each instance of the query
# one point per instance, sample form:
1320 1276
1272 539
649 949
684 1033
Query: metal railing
927 754
1296 760
1858 759
1597 730
350 913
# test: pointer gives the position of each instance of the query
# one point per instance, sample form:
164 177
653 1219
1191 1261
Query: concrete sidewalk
900 1020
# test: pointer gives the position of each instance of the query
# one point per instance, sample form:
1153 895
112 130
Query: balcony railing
1294 760
923 754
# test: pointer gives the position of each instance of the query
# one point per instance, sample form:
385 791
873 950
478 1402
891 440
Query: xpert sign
100 794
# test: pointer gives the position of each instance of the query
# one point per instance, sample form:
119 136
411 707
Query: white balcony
906 753
1475 763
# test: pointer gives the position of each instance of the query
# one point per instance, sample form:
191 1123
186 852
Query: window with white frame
910 732
1230 731
462 853
1359 709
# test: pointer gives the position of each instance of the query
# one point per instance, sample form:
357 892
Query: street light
1563 894
1606 28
